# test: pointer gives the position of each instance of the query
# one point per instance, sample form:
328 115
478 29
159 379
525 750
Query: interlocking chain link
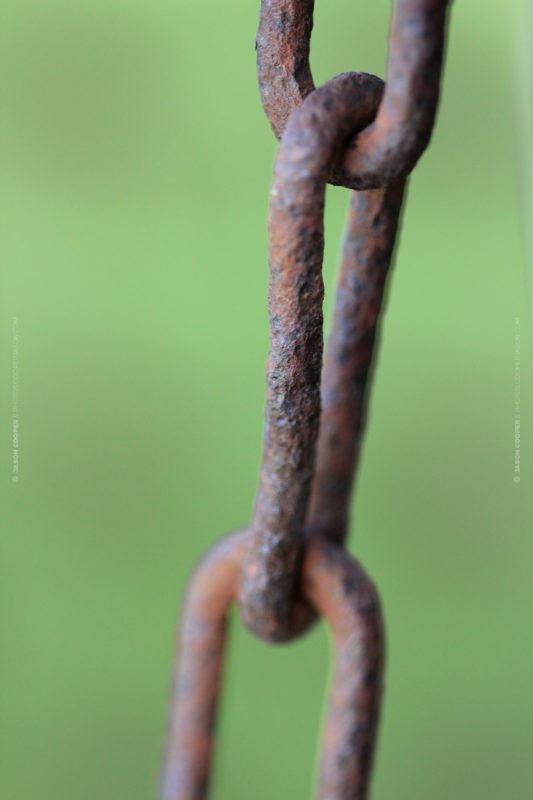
391 145
289 565
391 128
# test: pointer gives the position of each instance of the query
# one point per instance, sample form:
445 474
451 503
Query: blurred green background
135 163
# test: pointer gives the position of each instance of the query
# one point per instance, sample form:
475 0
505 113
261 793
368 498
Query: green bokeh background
135 163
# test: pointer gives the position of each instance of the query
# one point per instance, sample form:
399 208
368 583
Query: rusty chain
290 566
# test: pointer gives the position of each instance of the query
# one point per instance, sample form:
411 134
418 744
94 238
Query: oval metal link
276 540
394 138
335 585
367 253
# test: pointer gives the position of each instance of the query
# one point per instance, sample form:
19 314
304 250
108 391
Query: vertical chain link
290 565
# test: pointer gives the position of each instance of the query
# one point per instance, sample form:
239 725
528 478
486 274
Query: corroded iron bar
390 147
368 245
312 138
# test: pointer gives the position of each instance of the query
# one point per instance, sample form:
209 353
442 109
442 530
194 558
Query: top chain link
391 145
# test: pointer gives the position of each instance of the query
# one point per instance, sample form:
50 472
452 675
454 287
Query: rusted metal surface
289 566
312 137
337 588
366 258
389 144
199 657
282 47
290 467
390 147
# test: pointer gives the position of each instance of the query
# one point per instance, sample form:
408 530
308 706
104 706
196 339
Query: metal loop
336 586
391 146
288 566
313 136
369 240
318 124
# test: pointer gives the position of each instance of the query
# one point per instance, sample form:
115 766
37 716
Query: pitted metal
336 586
313 135
389 147
289 566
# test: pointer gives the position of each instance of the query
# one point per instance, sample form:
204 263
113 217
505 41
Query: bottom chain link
336 587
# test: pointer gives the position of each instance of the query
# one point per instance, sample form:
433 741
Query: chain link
289 566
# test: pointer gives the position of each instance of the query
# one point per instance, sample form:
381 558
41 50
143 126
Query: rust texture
335 585
390 147
290 467
366 258
289 567
313 135
390 143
